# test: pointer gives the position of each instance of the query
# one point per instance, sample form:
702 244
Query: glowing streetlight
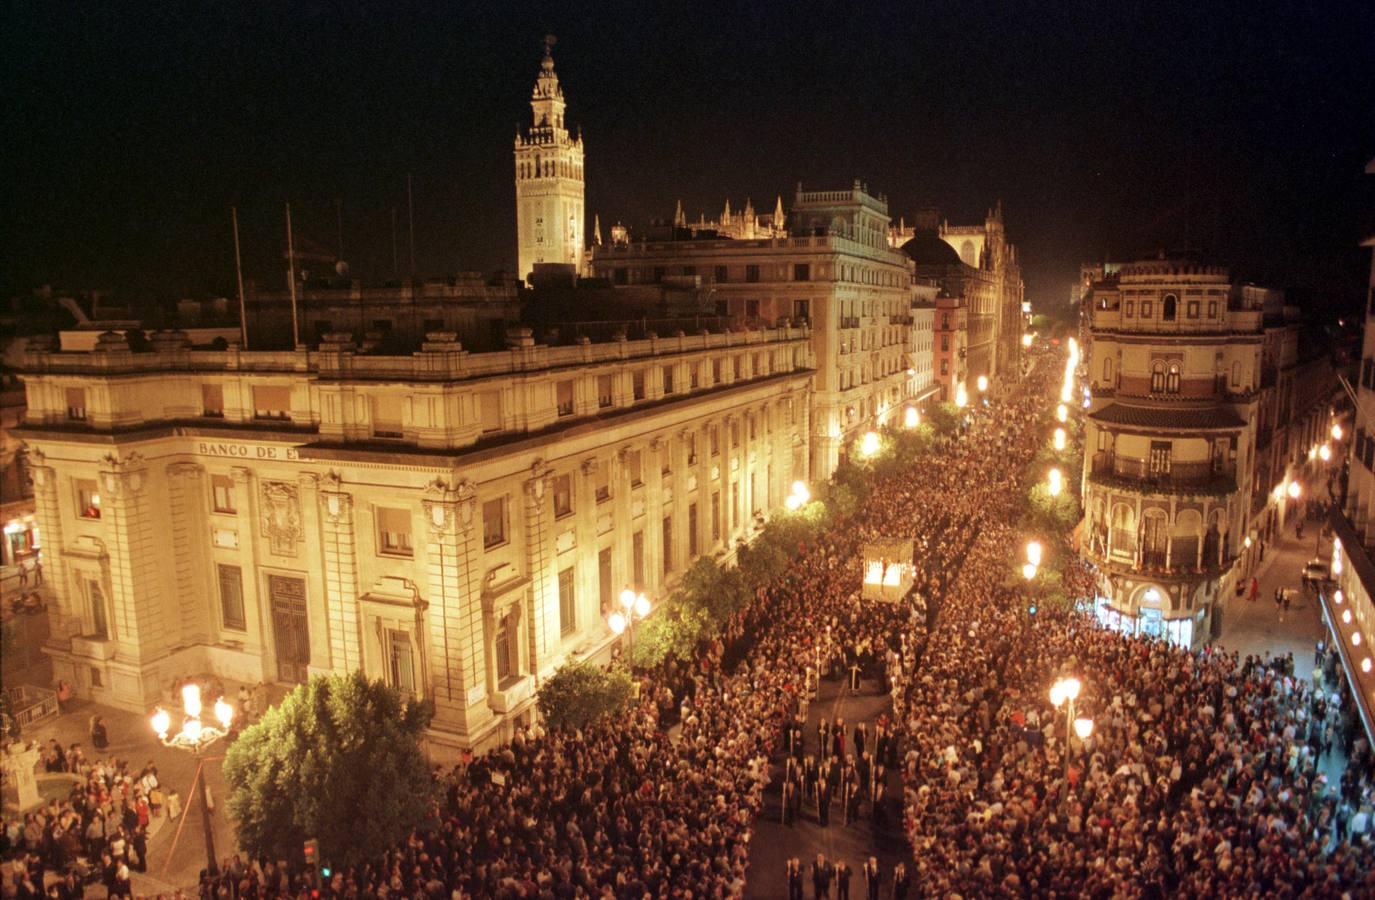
1294 490
983 383
868 445
1029 571
792 503
194 736
911 418
1083 728
1059 439
1056 483
1033 552
1325 453
1336 431
1026 340
961 396
1062 412
800 491
635 606
617 623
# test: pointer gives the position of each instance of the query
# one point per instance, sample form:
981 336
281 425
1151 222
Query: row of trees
339 760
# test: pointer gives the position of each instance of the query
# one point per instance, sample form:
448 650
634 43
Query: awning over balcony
1208 418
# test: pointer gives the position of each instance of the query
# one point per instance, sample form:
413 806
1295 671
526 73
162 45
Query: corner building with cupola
1173 374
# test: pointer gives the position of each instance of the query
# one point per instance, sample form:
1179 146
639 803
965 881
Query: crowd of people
1202 776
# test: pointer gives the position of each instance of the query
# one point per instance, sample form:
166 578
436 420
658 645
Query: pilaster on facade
64 617
339 550
137 620
190 538
544 630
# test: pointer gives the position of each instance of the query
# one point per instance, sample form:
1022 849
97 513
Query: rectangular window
945 343
692 530
382 325
716 371
1212 309
95 601
638 385
752 309
802 310
714 432
1191 309
734 510
668 544
489 411
231 597
322 328
271 402
501 648
222 490
563 392
802 272
402 669
1160 457
735 434
716 515
668 379
637 556
212 401
602 483
567 610
76 404
689 271
604 585
1145 309
751 273
494 523
722 274
1130 308
563 496
693 377
394 532
386 416
634 464
603 391
87 499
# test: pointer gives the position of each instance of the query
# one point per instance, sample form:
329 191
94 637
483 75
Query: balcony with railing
1163 476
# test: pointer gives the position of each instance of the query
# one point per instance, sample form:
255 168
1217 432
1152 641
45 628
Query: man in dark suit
822 874
842 870
787 801
823 801
872 878
794 870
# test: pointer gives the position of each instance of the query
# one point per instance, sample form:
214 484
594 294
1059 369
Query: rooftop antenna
238 271
410 215
339 223
394 270
291 271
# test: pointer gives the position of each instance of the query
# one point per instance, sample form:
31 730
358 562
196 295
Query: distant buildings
1202 406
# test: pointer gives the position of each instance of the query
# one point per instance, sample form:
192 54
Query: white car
1317 570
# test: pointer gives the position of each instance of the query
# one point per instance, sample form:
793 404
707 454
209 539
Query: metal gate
289 628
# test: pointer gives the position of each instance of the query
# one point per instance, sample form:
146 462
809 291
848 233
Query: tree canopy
338 760
579 694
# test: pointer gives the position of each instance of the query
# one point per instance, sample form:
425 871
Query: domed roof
927 249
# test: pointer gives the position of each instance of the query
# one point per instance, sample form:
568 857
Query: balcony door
289 628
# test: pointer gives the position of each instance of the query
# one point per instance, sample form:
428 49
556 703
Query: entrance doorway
289 628
1152 622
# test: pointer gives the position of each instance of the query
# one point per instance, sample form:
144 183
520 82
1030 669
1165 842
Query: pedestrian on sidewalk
23 573
1255 590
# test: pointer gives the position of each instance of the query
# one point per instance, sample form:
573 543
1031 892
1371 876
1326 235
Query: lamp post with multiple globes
636 607
194 736
1065 691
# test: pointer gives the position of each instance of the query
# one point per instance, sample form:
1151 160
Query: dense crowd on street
1201 777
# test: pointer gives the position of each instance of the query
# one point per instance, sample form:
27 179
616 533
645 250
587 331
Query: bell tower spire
549 179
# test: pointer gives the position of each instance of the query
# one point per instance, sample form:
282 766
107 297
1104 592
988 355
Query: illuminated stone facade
456 523
836 272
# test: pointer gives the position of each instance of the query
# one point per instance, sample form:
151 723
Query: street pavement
1260 627
774 843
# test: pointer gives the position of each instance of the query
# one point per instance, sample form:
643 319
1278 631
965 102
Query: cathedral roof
927 249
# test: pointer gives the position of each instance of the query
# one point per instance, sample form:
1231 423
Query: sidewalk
1261 627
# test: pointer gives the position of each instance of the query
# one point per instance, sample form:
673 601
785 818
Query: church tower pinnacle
549 179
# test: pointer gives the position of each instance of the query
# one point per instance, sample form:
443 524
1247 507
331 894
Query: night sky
1240 129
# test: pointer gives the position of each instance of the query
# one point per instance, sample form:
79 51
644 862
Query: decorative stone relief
281 516
449 506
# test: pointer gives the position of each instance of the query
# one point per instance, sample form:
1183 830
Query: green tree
579 694
338 760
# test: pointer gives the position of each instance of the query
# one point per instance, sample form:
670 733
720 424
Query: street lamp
1062 412
636 607
1336 431
961 396
911 418
1033 552
1026 340
983 383
1059 439
194 736
1294 490
1325 453
1083 728
1063 691
1029 571
1056 483
868 445
798 498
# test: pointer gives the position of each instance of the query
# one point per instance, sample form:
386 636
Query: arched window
1167 309
1172 379
1236 374
1107 371
1157 376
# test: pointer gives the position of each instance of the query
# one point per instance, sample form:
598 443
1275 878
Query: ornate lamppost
194 736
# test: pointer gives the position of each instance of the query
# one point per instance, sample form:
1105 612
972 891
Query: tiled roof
1206 419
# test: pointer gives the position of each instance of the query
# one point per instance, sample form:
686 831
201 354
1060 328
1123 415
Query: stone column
457 643
544 631
338 547
256 604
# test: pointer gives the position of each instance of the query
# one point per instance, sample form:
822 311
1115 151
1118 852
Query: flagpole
238 271
291 268
410 214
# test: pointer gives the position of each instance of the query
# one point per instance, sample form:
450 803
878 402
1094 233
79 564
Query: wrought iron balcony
1164 476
